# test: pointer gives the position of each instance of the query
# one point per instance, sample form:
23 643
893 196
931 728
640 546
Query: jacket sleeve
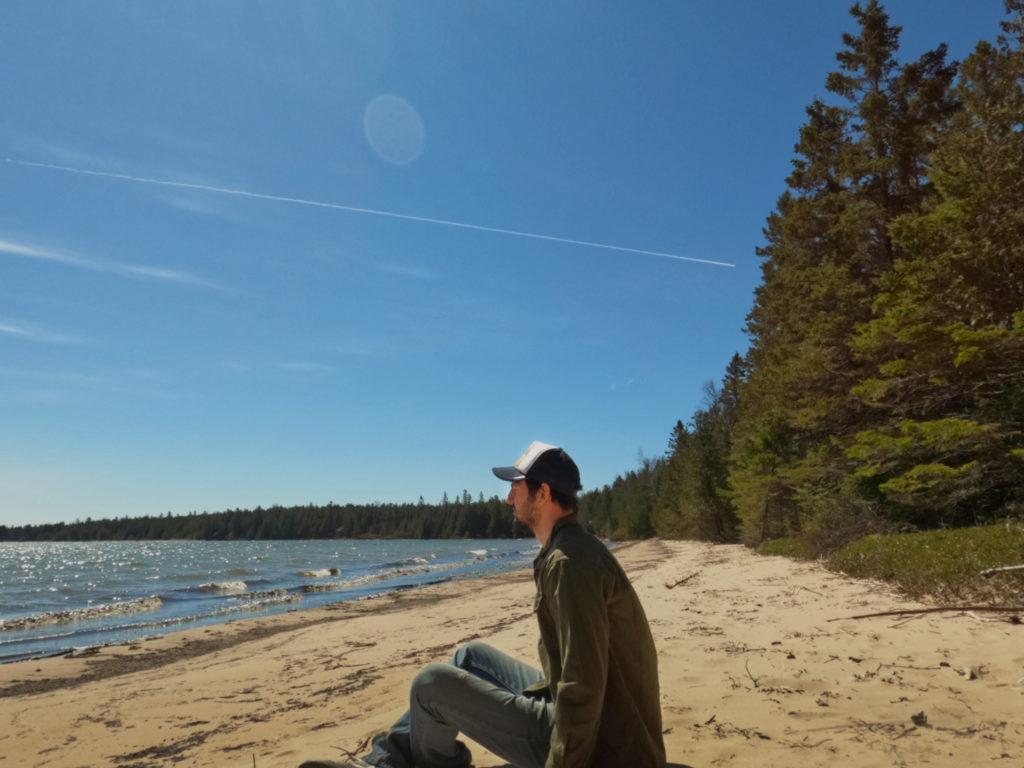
580 614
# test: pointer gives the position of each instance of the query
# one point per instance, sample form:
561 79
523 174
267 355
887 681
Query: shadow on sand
667 765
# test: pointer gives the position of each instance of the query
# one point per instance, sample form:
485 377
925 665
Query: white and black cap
543 463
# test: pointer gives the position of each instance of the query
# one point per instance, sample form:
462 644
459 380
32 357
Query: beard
528 515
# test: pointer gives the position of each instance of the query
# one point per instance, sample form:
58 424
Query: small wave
222 586
264 594
259 600
328 586
391 573
251 601
151 603
408 571
319 573
407 561
262 602
480 554
334 586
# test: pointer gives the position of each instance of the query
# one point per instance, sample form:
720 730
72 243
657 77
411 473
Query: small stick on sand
681 581
942 609
976 617
753 679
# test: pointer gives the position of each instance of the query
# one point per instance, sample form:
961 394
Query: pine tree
860 164
668 517
946 341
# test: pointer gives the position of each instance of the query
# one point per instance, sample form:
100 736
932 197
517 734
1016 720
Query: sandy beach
760 665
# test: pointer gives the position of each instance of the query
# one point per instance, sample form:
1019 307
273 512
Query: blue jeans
478 694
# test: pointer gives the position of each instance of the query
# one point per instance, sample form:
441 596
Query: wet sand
759 666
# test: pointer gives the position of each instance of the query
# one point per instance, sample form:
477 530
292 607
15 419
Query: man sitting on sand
596 703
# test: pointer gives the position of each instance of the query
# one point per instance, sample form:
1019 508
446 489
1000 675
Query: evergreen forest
883 389
883 386
459 518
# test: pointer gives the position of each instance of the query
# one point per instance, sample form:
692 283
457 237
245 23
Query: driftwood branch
681 581
990 571
941 609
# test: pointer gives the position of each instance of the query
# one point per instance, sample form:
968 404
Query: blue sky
179 348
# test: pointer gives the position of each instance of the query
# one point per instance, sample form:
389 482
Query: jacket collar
570 520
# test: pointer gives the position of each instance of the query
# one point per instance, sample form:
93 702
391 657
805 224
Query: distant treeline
884 384
461 518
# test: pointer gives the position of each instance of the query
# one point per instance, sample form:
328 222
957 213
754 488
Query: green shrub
786 547
943 563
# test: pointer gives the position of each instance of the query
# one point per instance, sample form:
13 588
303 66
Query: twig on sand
746 664
681 581
976 617
990 571
941 609
360 748
901 622
806 745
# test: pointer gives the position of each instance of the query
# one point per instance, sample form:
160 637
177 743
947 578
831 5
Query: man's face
523 508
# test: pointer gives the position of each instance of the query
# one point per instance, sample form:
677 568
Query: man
596 703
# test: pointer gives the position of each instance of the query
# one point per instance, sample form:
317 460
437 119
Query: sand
759 667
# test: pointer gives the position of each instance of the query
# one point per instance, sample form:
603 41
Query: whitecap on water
320 572
151 603
222 586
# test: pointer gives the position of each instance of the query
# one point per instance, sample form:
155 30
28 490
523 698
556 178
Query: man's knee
433 681
465 656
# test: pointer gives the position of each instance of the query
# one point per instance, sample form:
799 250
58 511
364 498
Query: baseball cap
543 463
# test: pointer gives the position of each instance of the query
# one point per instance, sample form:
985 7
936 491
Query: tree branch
941 609
681 581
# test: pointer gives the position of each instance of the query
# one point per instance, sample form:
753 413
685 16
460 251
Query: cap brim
508 473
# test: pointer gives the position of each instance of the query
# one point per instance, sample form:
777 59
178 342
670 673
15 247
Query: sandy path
752 673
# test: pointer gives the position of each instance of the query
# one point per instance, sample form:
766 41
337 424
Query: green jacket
598 656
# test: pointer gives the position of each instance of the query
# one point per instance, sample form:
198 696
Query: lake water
58 596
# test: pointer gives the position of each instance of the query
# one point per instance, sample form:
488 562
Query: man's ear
545 492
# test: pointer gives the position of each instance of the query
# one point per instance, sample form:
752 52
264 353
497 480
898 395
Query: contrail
370 211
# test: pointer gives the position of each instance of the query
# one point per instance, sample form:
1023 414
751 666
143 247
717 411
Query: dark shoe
354 762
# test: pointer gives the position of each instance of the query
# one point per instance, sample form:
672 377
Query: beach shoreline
758 663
